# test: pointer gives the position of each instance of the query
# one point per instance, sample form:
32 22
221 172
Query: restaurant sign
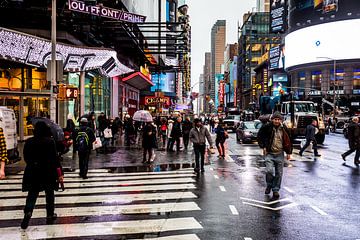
157 100
101 11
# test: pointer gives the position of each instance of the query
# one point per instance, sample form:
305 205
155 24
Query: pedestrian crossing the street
143 205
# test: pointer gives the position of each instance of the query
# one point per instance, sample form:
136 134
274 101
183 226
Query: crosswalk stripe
107 190
106 210
67 179
103 228
107 173
176 237
119 198
114 183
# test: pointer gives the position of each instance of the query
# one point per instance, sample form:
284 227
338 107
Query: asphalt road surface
125 199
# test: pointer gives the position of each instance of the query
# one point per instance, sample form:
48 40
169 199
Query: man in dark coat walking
310 137
354 140
148 141
176 134
186 127
83 140
274 139
41 172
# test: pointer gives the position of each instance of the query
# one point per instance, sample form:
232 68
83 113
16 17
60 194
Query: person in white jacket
169 143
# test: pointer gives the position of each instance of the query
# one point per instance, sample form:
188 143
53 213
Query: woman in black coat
40 173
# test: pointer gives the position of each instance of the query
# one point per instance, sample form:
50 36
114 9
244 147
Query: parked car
231 122
248 131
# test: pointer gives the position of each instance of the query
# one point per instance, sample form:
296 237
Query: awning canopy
138 81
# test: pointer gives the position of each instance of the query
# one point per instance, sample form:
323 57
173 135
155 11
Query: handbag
97 143
61 181
107 133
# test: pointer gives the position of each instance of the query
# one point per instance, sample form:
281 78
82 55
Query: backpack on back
82 141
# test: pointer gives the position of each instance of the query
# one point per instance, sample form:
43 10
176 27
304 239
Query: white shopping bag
97 143
308 149
107 133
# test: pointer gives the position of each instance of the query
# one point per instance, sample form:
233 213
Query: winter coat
42 162
176 130
149 137
198 137
170 127
186 127
220 134
354 135
266 137
310 132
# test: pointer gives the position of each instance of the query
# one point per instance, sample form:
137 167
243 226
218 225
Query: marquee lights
34 51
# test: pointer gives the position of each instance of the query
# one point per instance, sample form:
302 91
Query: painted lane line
321 212
114 189
105 199
247 238
228 159
216 176
211 169
175 237
270 208
289 190
106 210
90 179
222 188
103 228
110 183
233 210
266 203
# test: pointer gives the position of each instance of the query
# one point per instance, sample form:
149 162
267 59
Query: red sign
157 100
221 92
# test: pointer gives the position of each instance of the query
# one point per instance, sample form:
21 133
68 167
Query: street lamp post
335 84
53 62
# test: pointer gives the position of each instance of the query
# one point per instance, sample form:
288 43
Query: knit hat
276 115
83 120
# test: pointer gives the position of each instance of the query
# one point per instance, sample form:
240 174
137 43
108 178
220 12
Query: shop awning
138 81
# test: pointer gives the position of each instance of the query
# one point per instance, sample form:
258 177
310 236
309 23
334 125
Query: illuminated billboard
336 40
305 13
278 15
164 82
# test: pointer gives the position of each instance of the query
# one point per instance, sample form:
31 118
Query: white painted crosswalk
96 207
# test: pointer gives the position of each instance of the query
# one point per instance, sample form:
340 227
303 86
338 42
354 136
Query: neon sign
34 51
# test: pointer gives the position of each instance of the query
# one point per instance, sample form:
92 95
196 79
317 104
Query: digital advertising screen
305 13
278 16
325 42
164 82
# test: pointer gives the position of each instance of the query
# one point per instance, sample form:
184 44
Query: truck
297 115
8 124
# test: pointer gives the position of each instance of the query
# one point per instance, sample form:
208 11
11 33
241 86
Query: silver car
247 131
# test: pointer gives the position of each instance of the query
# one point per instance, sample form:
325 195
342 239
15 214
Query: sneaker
301 154
357 163
85 177
202 170
196 170
276 195
317 155
51 219
343 157
25 221
267 190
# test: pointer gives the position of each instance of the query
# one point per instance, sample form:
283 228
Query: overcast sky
203 15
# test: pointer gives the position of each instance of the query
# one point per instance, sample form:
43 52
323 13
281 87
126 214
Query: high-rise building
263 5
218 39
206 79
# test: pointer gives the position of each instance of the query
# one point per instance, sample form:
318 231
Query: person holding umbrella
148 141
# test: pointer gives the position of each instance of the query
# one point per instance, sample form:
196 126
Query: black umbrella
56 130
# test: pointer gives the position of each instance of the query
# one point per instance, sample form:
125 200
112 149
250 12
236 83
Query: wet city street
126 199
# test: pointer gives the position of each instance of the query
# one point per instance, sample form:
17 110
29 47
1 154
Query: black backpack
82 141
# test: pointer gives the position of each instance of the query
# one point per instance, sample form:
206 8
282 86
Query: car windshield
252 125
232 117
302 107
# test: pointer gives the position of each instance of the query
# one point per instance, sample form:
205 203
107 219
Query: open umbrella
56 130
142 116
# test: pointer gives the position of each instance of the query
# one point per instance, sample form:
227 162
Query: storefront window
340 73
97 93
356 81
316 78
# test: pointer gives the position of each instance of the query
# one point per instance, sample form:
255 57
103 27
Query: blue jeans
274 170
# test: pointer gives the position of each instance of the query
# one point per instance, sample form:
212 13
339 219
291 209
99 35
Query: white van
8 124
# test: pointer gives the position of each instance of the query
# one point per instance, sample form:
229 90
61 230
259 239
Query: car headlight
288 124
